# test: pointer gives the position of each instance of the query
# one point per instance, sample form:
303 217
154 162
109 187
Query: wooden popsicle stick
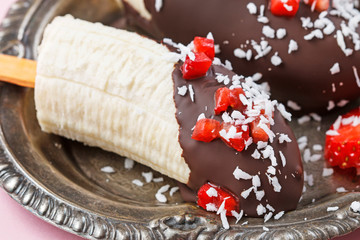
17 71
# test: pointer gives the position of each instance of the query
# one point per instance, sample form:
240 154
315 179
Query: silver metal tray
61 182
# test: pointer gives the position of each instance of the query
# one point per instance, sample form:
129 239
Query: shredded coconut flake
108 169
327 172
173 190
335 69
137 182
129 163
332 209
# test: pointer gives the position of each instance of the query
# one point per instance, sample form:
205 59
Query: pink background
17 223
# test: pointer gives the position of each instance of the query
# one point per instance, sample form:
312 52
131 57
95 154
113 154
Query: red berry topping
234 136
235 102
205 45
206 130
211 197
342 143
196 68
287 8
257 132
225 98
222 100
318 5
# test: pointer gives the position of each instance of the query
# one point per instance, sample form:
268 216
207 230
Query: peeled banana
112 89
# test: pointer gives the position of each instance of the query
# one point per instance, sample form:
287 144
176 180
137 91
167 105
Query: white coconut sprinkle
335 69
332 133
158 5
267 217
182 90
342 103
173 190
265 229
137 182
293 46
256 154
315 116
317 147
148 176
108 169
252 8
211 207
164 188
211 192
157 180
341 190
276 60
356 76
331 105
129 163
192 94
279 215
161 197
259 194
246 192
304 119
284 138
283 159
224 220
268 31
240 174
239 53
307 155
238 216
293 105
332 209
355 206
260 209
280 33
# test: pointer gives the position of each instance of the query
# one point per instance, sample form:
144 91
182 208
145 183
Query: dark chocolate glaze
303 77
215 161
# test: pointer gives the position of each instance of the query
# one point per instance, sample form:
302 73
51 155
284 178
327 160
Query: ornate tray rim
72 218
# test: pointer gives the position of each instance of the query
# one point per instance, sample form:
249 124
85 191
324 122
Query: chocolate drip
215 161
303 77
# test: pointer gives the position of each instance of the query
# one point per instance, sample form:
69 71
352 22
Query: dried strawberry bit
286 8
222 100
234 136
205 45
196 68
225 98
217 196
206 130
342 142
257 132
235 101
318 5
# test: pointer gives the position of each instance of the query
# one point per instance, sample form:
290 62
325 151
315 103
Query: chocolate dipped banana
174 108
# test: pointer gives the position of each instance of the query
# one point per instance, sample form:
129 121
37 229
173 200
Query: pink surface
17 223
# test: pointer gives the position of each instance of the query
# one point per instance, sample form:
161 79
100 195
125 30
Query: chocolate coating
303 77
215 161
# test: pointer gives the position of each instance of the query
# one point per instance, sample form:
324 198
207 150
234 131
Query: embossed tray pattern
61 182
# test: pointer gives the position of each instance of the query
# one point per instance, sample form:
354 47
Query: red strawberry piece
343 150
234 136
225 98
222 100
196 68
258 133
231 202
235 102
206 130
318 5
287 8
205 45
